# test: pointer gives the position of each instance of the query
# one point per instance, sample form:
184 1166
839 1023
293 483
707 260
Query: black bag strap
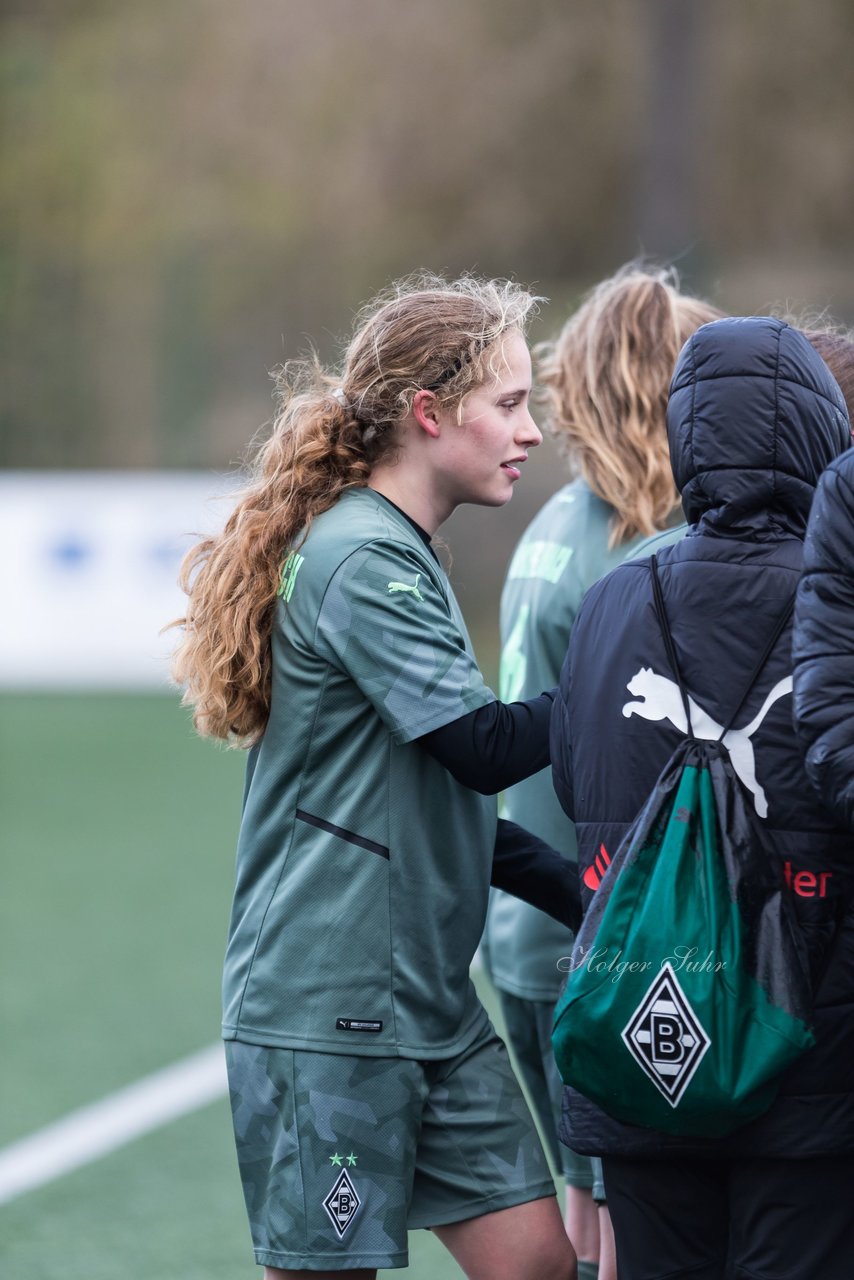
667 636
661 612
765 655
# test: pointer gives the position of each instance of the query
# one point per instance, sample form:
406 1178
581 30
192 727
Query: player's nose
529 434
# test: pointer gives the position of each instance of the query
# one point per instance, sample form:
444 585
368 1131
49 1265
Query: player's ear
425 410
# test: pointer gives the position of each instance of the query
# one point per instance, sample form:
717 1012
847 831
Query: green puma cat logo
404 586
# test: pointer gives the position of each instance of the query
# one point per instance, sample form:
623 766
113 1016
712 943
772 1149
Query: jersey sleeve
386 621
536 620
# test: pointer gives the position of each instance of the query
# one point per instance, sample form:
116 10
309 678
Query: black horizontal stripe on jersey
343 834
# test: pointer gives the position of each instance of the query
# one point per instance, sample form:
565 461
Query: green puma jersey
562 553
362 867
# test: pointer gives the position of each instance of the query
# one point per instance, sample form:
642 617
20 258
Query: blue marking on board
71 552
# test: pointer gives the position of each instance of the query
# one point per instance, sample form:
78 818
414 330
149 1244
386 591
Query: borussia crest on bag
665 1037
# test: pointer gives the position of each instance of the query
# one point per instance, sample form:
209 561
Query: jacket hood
754 417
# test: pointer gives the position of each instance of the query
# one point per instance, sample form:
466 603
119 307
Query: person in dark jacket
823 645
754 418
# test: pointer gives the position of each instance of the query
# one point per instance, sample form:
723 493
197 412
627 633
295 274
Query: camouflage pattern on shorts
340 1155
322 1140
529 1033
479 1150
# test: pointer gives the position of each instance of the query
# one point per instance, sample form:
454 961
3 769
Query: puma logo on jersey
594 873
663 701
411 589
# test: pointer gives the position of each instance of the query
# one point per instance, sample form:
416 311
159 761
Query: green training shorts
341 1155
529 1030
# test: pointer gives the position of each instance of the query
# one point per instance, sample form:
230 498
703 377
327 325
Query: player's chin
503 490
495 499
494 494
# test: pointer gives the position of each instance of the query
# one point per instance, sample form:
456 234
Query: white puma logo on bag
663 701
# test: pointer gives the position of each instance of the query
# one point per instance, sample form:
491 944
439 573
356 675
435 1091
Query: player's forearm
528 868
495 746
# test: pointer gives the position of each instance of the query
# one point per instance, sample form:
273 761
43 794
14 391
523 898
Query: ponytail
314 453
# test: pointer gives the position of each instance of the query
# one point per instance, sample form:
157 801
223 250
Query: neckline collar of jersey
422 533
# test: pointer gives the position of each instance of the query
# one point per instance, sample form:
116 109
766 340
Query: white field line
96 1130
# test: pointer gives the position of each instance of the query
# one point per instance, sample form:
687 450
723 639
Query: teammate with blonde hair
605 382
369 1091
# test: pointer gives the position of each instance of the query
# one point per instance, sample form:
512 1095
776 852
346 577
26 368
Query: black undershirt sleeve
528 868
495 746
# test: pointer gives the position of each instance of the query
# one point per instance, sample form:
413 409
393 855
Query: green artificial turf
119 829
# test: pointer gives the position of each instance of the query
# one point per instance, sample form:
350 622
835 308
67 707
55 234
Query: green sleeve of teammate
388 621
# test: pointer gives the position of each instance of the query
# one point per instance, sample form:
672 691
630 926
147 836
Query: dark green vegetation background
191 191
119 829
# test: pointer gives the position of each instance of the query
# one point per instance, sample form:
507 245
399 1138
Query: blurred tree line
190 190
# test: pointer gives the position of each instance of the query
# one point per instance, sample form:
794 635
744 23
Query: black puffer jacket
754 418
823 647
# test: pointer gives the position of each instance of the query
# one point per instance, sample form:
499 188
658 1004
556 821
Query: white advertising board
88 572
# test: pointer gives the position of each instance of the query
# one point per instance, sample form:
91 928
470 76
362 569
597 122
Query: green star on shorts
351 1159
336 1159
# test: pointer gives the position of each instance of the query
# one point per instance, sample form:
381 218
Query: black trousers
736 1219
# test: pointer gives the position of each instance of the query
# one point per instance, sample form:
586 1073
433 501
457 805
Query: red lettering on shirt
806 884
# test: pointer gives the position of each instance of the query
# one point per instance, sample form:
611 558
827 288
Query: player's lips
512 467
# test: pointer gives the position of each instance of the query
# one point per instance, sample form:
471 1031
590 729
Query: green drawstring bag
688 992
